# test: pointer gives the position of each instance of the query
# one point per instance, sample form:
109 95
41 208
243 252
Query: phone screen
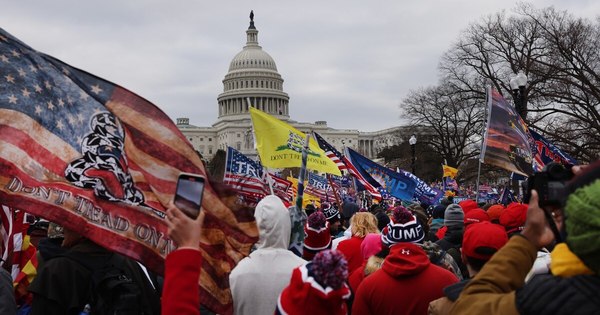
188 196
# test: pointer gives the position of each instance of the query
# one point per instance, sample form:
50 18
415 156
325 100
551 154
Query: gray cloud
347 62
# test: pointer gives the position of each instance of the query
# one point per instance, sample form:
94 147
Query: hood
405 259
273 221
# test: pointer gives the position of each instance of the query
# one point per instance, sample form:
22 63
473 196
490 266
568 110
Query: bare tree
455 118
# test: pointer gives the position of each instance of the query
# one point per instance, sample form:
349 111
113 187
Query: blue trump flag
546 152
396 184
423 192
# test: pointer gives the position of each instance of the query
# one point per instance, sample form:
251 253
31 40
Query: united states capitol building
253 79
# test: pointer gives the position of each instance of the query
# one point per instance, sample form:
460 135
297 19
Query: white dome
252 57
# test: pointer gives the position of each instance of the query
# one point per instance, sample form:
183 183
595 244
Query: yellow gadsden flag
307 198
280 145
449 171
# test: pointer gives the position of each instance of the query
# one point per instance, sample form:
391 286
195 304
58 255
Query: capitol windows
209 150
238 146
238 135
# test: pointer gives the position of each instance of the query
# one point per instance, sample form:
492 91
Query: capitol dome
253 79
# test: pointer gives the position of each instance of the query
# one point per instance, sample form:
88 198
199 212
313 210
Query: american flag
331 152
6 228
102 161
344 163
281 187
244 175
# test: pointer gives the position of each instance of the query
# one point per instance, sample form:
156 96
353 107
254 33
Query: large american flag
344 163
331 152
102 161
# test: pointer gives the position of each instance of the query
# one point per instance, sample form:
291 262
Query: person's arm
492 290
181 292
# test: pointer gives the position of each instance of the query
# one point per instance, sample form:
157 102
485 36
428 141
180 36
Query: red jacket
181 293
405 284
351 250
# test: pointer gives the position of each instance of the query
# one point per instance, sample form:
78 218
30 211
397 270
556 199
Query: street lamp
518 84
413 142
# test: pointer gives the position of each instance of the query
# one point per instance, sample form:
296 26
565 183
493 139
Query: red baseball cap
483 239
468 205
495 211
514 216
475 216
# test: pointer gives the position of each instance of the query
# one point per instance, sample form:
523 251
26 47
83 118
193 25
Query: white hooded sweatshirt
258 279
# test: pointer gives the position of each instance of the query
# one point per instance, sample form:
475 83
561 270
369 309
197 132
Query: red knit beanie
495 211
317 236
318 287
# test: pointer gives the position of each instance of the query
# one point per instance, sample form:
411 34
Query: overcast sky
347 62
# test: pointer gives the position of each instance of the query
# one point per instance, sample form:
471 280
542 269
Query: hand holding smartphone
188 195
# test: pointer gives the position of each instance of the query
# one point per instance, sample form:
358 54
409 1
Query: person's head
310 209
494 213
582 215
468 205
403 228
318 287
438 212
454 217
332 215
363 223
480 242
71 238
317 236
475 216
273 221
370 245
513 218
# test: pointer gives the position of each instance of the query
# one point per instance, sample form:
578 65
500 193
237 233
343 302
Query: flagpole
302 173
335 194
269 181
488 93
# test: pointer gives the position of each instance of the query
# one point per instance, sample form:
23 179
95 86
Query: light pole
518 84
413 143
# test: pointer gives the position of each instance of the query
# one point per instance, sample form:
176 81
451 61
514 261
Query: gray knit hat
454 216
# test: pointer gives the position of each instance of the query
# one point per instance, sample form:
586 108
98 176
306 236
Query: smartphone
188 195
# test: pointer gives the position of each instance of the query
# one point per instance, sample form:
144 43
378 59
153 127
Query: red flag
102 161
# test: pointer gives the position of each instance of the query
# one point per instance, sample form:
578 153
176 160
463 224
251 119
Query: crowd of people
404 258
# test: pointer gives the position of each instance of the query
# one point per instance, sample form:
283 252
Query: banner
319 186
308 198
507 197
244 175
102 161
280 145
507 143
423 192
449 171
547 152
396 184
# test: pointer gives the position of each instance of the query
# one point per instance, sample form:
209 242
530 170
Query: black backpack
113 290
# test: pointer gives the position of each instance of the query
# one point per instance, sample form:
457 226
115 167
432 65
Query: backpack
112 287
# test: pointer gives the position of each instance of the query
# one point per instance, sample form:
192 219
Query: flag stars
80 118
21 72
38 109
4 58
47 84
33 69
72 119
50 105
96 89
60 125
70 100
37 88
25 92
9 78
61 103
12 99
83 96
3 38
15 53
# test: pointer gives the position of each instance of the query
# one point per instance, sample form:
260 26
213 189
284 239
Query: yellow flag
449 171
307 198
280 145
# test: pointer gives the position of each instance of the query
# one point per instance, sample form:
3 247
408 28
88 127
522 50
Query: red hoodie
405 284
